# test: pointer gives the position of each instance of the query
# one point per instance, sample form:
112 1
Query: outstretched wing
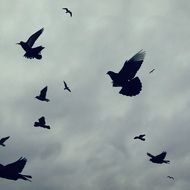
16 167
161 156
132 87
34 37
141 135
42 120
65 84
43 92
70 13
132 65
150 155
4 139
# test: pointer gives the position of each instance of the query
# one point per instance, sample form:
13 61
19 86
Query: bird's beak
18 43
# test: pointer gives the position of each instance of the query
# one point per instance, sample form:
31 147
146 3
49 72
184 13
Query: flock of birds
125 78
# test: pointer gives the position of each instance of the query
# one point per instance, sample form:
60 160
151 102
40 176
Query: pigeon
170 177
125 78
13 170
3 140
41 123
159 159
141 137
32 53
42 95
151 71
68 11
66 87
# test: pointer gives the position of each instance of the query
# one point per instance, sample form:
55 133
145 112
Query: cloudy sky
90 145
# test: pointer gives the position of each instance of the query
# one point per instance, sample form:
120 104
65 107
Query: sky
90 145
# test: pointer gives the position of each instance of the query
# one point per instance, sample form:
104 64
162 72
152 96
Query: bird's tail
3 144
47 126
166 161
36 124
25 177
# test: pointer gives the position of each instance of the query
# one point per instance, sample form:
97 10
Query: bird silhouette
42 95
159 159
125 78
151 71
32 53
141 137
68 11
66 87
41 123
13 170
3 140
170 177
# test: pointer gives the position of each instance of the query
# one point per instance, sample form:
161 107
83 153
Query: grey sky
90 145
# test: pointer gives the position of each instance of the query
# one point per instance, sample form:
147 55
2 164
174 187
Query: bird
3 140
141 137
68 11
35 52
170 177
42 95
159 159
66 87
13 170
41 123
151 71
125 78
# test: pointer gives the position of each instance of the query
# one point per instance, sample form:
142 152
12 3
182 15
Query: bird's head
20 43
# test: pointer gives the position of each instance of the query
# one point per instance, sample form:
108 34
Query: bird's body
32 53
42 96
125 78
13 171
158 159
41 123
68 11
3 140
170 177
66 87
141 137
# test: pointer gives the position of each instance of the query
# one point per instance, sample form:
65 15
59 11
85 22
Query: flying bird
125 78
3 140
66 87
151 71
141 137
68 11
41 123
13 170
159 159
170 177
42 95
35 52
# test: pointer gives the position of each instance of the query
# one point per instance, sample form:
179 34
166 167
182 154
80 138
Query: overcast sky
90 145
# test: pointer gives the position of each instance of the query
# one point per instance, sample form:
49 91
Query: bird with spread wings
159 159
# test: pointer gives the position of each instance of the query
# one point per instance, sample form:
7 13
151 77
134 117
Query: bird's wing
150 155
142 135
132 88
161 156
43 92
65 9
71 14
4 139
42 120
132 65
34 37
65 84
16 167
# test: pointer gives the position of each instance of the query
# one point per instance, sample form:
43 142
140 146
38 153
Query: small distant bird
159 159
66 87
32 53
3 140
170 177
41 123
68 11
151 71
141 137
42 95
125 78
13 170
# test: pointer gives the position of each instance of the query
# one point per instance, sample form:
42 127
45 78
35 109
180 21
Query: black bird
68 11
151 71
66 87
159 159
41 123
170 177
131 85
42 95
13 170
141 137
27 46
3 140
